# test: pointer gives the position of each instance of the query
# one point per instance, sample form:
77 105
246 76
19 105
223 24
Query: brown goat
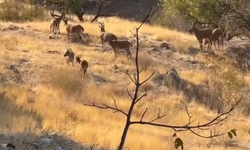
201 34
73 29
55 24
105 36
70 56
120 44
217 36
84 65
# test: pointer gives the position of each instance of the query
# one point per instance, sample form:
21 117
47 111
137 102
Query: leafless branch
132 33
218 119
147 78
93 146
150 13
212 135
98 14
159 116
105 106
128 74
129 94
189 116
140 98
144 114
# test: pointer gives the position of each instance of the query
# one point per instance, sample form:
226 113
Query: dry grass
53 98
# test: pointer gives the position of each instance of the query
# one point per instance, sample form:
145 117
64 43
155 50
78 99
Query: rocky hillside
40 94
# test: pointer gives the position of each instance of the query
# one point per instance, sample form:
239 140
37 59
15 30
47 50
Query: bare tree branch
143 114
158 117
212 135
147 79
105 106
218 119
93 146
132 33
140 98
128 74
98 14
150 13
129 94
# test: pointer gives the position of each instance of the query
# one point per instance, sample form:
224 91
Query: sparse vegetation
11 10
51 95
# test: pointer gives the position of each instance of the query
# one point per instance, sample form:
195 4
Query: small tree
79 7
135 98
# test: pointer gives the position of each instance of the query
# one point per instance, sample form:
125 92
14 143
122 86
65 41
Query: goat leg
201 45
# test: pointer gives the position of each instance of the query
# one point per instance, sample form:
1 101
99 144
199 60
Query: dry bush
145 62
220 89
67 80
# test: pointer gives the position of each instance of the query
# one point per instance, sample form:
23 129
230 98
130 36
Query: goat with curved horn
201 34
105 37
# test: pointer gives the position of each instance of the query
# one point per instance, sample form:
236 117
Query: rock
165 46
11 27
60 148
172 79
53 52
46 141
192 61
99 79
180 59
158 79
116 67
21 61
14 69
8 146
155 49
51 37
25 51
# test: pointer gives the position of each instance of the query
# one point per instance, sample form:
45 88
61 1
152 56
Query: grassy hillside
48 96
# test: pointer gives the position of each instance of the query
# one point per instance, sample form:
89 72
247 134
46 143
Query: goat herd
106 37
210 36
206 34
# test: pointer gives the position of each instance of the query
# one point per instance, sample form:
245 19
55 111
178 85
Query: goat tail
131 44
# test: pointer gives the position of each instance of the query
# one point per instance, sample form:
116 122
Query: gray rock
13 68
165 46
172 79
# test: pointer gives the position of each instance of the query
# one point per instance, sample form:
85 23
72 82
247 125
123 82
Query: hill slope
49 95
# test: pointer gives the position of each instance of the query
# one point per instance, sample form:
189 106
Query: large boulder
170 79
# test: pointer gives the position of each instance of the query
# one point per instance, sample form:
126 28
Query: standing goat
201 34
84 65
70 56
55 23
105 36
120 44
73 29
217 36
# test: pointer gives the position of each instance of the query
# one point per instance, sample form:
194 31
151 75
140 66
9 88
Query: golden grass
57 101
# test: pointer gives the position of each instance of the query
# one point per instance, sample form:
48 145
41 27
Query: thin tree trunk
124 135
